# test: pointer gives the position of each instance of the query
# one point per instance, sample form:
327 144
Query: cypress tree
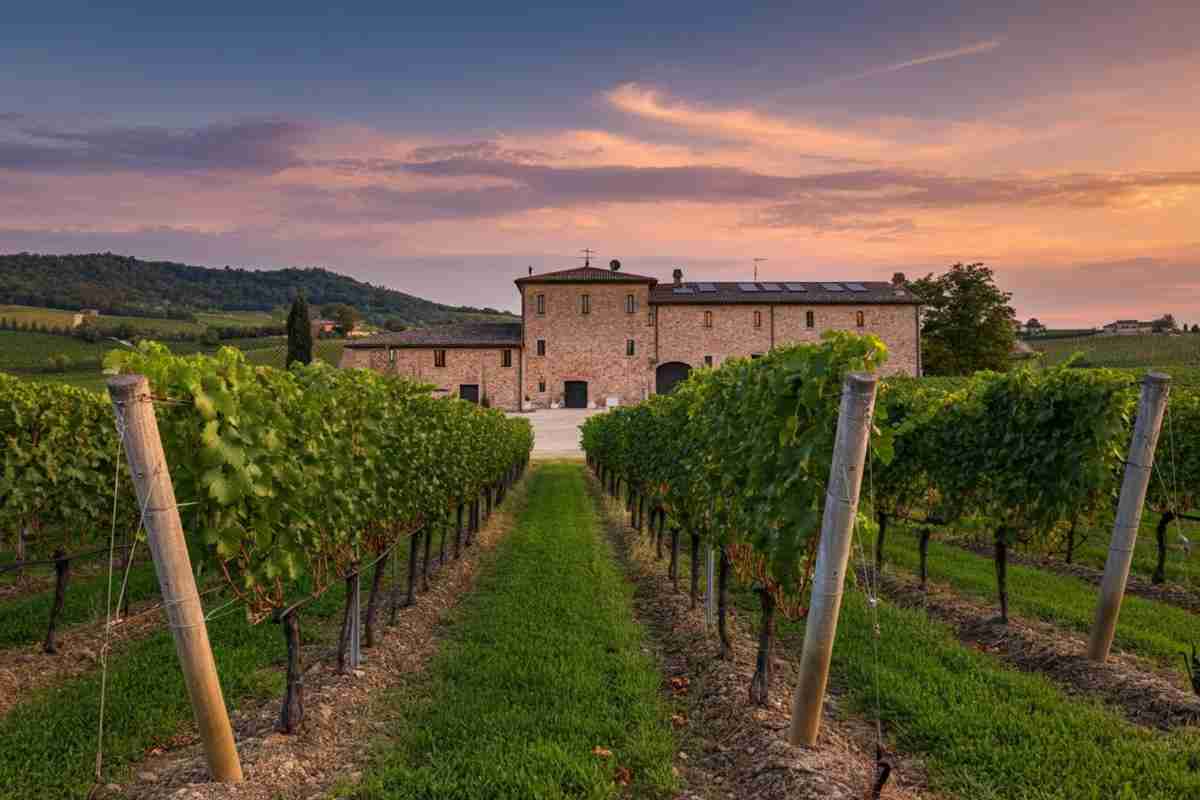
299 332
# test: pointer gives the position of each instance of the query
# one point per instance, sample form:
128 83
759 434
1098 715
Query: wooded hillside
117 284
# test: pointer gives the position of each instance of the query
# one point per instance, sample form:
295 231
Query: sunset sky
442 152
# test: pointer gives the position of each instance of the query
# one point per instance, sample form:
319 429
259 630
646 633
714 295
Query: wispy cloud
942 55
262 146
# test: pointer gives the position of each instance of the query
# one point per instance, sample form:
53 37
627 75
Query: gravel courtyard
556 431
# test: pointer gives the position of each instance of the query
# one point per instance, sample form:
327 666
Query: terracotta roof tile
586 275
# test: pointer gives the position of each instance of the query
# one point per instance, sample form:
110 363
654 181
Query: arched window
860 318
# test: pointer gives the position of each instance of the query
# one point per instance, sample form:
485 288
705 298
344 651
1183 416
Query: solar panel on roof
707 287
683 290
795 287
832 287
856 287
770 287
748 287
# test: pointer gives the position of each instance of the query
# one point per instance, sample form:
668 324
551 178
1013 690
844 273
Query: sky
444 151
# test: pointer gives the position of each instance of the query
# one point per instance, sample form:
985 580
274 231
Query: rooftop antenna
587 256
756 262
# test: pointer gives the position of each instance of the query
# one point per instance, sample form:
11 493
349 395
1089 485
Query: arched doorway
669 374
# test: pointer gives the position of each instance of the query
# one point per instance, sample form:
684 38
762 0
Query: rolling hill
122 285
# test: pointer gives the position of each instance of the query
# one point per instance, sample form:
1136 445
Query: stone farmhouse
591 337
1127 327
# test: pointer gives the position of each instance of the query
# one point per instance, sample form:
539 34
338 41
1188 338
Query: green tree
299 333
1165 324
347 317
967 322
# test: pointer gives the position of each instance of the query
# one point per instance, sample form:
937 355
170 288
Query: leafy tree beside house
967 322
1164 324
299 333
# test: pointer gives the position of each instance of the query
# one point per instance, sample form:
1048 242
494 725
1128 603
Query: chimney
530 269
614 265
678 276
898 280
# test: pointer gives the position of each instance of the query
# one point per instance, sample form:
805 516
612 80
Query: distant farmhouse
591 337
1127 327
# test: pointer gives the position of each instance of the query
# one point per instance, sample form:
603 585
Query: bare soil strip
342 715
1144 693
733 749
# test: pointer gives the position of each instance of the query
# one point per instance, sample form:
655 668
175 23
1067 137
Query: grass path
543 665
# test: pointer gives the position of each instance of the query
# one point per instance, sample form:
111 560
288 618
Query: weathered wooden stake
185 615
1153 402
833 552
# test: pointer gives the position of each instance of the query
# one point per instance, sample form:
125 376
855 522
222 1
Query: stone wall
464 365
588 347
683 337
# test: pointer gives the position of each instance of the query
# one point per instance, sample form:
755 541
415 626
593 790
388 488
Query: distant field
327 350
64 319
28 355
1152 350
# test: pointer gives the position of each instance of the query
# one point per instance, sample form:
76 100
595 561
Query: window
541 386
541 347
391 355
758 319
708 319
860 319
585 304
756 355
809 322
708 361
630 304
630 347
439 358
541 304
506 358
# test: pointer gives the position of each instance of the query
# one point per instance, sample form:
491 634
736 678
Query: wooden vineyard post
833 553
185 616
1151 405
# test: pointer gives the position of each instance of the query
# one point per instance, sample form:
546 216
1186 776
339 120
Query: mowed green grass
987 732
982 730
48 741
1156 630
24 620
543 664
1182 567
